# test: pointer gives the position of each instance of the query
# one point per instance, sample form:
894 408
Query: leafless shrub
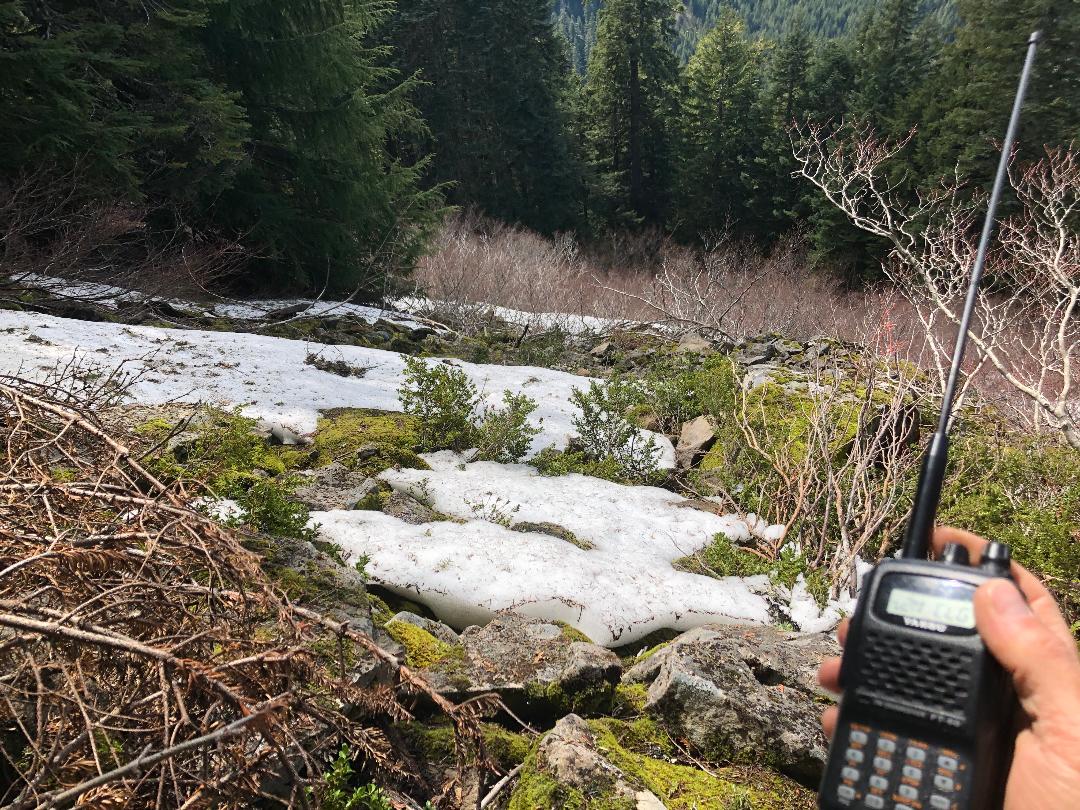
1027 332
56 238
837 467
726 286
145 659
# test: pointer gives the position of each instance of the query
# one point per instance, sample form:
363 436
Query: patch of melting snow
617 592
110 297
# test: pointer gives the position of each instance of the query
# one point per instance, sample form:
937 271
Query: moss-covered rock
228 455
542 670
643 752
422 650
608 764
435 743
742 694
320 577
552 530
367 441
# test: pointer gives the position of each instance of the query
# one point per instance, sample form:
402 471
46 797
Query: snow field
268 376
616 592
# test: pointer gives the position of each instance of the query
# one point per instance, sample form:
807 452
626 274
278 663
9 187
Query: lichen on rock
743 694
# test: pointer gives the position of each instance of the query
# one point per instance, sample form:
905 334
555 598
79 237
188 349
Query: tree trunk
637 201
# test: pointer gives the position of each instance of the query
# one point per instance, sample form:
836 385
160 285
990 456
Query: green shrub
606 431
1023 491
231 460
550 461
722 558
269 507
684 387
338 793
444 401
505 435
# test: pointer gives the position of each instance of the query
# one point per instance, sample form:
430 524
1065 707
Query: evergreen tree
631 101
887 67
972 95
722 128
890 54
119 90
320 194
495 78
781 200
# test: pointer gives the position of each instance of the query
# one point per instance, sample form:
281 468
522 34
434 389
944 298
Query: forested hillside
316 147
577 19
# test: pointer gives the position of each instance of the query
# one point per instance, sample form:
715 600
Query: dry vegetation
48 227
1029 333
728 287
146 660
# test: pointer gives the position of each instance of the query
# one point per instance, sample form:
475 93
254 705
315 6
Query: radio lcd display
939 609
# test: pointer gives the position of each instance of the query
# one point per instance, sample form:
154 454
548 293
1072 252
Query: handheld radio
926 720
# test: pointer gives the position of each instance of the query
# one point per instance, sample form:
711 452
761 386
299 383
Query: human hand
1032 642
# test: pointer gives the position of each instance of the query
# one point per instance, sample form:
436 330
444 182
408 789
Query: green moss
596 699
315 585
381 612
639 749
423 650
156 429
643 753
571 633
630 699
220 448
435 743
536 790
389 438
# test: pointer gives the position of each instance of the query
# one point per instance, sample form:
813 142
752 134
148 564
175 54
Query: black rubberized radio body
926 720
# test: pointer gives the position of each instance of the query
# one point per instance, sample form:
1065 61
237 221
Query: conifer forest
332 135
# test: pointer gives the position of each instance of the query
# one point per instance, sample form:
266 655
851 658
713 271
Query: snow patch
617 592
539 321
809 617
268 376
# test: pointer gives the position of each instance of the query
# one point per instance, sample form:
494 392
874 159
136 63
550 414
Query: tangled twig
145 658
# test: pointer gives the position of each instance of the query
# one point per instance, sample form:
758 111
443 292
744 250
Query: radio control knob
996 559
955 554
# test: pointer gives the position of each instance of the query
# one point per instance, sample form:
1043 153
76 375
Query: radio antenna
932 476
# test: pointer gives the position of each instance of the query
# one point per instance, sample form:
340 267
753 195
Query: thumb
1045 669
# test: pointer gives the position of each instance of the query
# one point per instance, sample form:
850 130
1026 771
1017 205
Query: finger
828 720
1045 668
829 674
1041 600
842 631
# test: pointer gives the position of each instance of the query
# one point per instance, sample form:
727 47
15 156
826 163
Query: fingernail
1007 600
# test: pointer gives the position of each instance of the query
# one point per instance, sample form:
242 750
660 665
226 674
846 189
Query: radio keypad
884 770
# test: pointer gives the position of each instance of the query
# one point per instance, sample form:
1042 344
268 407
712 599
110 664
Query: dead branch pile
145 659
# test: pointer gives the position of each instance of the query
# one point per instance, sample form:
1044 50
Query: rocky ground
724 715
